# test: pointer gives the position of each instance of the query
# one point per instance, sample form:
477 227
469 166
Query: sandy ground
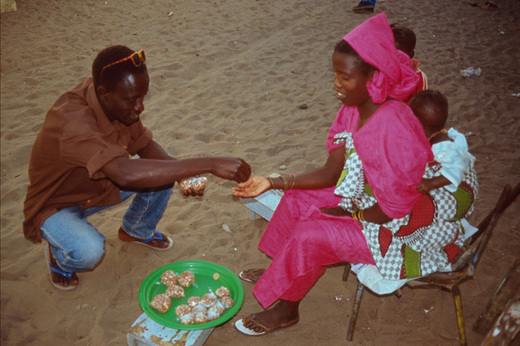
227 78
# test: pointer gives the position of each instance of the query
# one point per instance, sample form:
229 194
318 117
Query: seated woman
385 161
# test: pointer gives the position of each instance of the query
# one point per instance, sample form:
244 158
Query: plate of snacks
191 295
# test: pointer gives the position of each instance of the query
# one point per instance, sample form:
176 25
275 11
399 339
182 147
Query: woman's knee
307 234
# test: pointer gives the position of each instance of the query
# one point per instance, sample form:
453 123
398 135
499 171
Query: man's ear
102 92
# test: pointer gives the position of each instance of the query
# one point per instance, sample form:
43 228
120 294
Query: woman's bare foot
283 314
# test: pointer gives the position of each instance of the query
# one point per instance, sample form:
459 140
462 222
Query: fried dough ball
212 314
161 303
218 307
175 291
193 185
227 302
186 279
199 308
189 318
199 184
201 318
169 278
208 299
193 301
182 310
222 291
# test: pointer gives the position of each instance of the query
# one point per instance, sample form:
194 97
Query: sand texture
228 78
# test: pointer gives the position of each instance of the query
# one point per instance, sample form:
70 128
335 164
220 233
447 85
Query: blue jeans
373 2
78 246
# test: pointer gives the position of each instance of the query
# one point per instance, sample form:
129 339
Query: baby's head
404 38
431 108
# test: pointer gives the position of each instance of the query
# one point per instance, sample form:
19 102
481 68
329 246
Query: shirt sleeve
83 144
101 158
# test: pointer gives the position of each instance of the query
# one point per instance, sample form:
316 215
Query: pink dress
422 83
302 241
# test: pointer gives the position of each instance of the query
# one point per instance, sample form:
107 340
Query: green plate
204 281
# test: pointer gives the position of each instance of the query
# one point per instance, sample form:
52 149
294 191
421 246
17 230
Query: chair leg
457 299
355 311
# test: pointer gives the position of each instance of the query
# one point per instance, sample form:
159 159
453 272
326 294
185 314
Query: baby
449 147
405 41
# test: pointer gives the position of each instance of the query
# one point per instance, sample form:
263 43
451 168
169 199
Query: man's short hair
113 75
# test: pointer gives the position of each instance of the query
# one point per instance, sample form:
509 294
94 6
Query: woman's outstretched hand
253 187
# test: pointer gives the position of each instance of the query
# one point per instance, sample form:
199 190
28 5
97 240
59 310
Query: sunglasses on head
137 59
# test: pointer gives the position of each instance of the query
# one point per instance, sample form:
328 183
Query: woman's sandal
240 325
251 275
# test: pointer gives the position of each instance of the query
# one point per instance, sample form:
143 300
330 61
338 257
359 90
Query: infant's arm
426 185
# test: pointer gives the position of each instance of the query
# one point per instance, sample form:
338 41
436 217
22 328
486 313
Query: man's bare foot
59 280
157 242
283 314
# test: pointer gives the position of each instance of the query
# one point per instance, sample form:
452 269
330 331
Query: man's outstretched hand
232 168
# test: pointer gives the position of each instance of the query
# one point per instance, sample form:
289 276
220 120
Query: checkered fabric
420 243
352 183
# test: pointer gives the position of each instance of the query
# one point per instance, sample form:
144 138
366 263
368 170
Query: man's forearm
154 151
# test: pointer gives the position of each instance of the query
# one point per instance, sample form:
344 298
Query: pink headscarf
373 40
